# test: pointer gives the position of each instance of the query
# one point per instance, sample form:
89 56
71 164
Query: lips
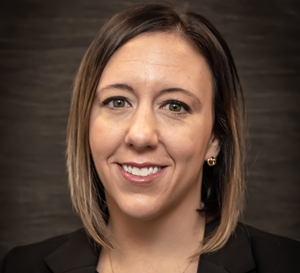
140 173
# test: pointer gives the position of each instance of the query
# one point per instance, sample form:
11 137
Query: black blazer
248 250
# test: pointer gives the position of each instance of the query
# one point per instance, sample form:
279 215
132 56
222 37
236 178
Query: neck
169 231
173 236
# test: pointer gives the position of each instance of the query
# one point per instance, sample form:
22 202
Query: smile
143 172
140 173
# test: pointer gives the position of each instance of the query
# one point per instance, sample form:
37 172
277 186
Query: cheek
104 138
188 143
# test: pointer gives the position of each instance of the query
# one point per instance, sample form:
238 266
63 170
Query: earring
211 161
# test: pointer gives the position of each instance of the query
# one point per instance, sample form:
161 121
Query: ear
213 148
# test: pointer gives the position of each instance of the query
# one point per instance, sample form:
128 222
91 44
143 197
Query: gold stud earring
211 161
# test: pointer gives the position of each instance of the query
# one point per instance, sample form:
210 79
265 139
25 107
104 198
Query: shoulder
273 253
251 250
30 258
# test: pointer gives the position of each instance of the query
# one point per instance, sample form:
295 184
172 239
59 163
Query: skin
156 225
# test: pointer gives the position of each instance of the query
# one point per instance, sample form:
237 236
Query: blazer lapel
234 257
75 255
206 266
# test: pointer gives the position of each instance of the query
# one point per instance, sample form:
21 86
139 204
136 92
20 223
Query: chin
140 210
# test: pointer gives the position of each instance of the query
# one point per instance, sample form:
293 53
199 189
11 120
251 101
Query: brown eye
118 103
174 107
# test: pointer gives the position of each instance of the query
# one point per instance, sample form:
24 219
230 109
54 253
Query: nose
142 132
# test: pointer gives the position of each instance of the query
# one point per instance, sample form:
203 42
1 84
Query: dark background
41 46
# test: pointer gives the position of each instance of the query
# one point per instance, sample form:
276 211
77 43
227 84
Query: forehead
160 47
158 58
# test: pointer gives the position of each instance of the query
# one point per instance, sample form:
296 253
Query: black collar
235 257
77 254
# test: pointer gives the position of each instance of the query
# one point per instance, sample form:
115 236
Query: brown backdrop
41 46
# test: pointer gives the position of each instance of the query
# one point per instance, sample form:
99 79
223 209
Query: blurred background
41 46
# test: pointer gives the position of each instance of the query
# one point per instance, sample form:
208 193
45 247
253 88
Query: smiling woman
157 89
155 156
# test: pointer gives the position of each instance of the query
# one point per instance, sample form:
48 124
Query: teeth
135 171
144 172
141 171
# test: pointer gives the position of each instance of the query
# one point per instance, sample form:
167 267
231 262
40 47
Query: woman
155 157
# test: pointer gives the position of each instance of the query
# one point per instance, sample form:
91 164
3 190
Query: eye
176 106
116 102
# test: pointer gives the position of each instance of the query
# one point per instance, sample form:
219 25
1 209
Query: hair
222 185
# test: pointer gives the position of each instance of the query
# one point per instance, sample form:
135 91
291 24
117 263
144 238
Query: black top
248 250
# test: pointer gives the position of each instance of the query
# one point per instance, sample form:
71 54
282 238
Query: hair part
222 185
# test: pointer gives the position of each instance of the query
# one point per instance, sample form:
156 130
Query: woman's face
153 112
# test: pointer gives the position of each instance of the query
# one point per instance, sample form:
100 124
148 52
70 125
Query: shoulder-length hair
222 185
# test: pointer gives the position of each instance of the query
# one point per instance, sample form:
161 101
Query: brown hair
223 184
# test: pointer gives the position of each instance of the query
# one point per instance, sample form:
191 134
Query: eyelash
108 100
178 102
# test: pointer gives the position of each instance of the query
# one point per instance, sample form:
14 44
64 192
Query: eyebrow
168 90
180 90
121 86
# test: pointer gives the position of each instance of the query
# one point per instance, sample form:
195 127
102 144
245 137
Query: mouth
140 173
